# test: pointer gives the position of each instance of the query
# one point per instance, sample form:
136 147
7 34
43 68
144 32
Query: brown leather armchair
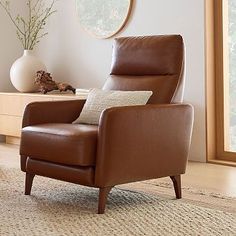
130 143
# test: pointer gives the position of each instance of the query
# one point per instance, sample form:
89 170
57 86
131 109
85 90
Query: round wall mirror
103 18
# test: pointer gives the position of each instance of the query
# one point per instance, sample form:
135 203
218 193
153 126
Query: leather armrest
52 112
143 142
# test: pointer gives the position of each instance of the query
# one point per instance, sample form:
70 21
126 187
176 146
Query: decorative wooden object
47 84
12 107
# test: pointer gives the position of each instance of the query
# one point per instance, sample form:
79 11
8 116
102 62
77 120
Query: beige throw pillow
99 100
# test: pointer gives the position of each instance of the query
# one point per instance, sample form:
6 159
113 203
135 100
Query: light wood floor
209 177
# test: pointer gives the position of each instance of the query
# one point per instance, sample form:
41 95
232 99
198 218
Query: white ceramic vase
23 72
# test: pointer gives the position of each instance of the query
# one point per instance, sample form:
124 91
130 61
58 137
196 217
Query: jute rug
59 208
199 197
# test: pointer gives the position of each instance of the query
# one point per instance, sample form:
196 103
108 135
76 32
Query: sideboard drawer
10 105
10 125
15 105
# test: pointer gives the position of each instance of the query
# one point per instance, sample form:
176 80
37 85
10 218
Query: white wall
74 56
10 48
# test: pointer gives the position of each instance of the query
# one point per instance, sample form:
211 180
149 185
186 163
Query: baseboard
222 162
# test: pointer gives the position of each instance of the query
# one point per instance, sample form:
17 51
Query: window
230 75
221 67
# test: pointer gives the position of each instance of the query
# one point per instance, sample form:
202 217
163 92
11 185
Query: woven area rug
59 208
199 197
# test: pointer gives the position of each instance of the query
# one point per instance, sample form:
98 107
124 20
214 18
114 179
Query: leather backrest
148 63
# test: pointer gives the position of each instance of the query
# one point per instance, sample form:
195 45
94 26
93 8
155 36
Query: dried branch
28 28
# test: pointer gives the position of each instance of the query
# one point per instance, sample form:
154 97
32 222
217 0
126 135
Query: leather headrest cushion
147 55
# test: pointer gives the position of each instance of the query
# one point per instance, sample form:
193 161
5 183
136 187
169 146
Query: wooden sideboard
12 107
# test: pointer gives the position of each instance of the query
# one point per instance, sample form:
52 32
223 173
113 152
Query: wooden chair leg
28 183
177 185
103 194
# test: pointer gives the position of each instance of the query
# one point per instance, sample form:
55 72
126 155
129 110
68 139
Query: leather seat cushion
69 144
